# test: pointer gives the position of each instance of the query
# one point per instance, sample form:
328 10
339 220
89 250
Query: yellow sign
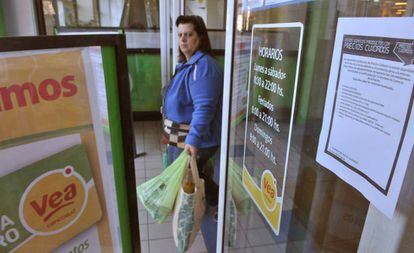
265 197
44 96
48 91
269 190
62 201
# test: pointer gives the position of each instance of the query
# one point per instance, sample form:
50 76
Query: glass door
295 79
67 174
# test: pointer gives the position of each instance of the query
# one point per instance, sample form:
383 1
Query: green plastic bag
158 194
164 160
232 223
241 198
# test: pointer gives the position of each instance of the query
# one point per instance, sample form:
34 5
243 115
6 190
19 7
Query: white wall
19 17
111 12
215 14
195 7
212 11
85 11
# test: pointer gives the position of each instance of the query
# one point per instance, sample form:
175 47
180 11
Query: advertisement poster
274 66
57 191
367 134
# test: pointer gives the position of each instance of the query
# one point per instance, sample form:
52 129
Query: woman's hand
191 150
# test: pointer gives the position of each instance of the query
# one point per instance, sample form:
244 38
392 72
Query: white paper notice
368 132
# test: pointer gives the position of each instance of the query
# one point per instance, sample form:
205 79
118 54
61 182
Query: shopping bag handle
194 171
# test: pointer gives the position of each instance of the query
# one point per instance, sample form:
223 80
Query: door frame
225 127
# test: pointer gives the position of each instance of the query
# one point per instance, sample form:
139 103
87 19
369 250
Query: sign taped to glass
273 76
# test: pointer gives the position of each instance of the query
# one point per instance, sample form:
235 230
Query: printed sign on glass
273 76
367 133
53 154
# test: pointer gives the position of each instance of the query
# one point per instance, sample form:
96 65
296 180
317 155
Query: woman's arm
205 89
205 94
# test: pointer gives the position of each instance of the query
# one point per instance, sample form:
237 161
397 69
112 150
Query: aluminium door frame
225 128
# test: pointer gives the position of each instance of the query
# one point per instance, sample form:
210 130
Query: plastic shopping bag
189 209
232 222
241 198
159 193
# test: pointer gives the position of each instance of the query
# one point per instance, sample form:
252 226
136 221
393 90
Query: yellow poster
52 175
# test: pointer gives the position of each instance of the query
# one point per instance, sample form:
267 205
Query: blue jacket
194 97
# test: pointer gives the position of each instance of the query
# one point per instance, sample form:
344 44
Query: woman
192 101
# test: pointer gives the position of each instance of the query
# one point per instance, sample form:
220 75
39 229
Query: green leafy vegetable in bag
158 194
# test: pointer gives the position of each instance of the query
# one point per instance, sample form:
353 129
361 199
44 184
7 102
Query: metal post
225 127
165 41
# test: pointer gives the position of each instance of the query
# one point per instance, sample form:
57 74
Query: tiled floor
252 234
155 238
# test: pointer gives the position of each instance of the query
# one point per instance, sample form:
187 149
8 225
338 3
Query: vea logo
269 190
53 201
21 95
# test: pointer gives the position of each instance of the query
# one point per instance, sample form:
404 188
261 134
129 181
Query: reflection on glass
137 14
320 213
212 11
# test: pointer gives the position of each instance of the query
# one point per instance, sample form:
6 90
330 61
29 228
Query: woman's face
189 39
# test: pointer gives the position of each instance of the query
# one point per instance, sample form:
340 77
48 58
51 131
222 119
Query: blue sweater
194 97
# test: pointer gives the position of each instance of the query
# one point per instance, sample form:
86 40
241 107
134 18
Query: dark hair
200 29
